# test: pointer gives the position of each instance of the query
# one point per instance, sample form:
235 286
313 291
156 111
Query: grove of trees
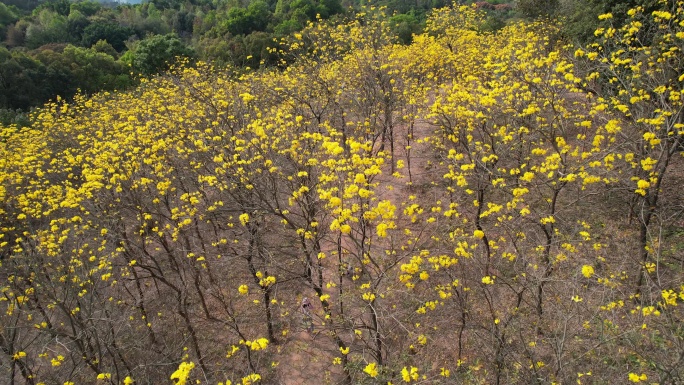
476 206
138 38
222 32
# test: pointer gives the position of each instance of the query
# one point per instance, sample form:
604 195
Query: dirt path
308 359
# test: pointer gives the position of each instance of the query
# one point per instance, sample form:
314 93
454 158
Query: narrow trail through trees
308 358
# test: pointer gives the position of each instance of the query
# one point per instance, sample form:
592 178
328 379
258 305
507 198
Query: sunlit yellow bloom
371 369
182 374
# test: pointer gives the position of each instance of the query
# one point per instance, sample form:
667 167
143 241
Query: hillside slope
476 207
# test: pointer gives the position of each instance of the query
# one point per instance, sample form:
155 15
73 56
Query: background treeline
59 47
50 46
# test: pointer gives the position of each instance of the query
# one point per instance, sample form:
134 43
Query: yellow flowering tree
635 67
454 208
638 69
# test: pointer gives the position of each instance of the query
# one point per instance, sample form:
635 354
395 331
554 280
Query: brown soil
305 358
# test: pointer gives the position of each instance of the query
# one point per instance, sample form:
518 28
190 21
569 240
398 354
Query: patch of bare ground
304 358
307 359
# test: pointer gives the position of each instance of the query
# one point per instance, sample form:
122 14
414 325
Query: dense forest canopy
127 40
471 205
35 33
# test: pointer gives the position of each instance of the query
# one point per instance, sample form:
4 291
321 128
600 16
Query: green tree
157 53
104 47
76 23
48 27
238 21
537 8
113 33
287 27
61 7
16 34
222 50
23 5
404 26
21 80
257 46
243 21
7 17
87 7
94 71
260 14
182 22
144 19
59 77
303 10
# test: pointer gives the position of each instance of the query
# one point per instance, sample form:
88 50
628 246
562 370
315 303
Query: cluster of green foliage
144 38
49 43
58 48
58 70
